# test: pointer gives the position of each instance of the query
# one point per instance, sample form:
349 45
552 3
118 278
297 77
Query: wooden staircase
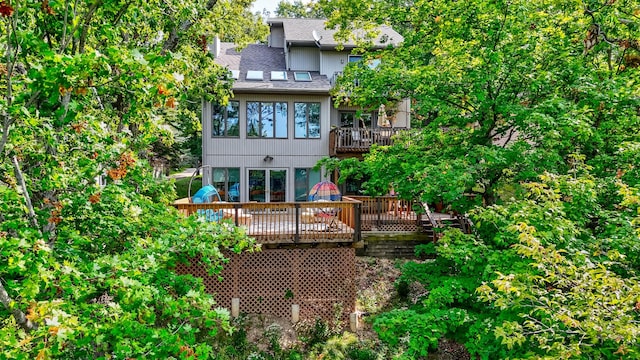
435 225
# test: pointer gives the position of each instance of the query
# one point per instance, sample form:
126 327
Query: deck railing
388 213
278 223
346 139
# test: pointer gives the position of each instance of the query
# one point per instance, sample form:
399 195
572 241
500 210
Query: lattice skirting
320 281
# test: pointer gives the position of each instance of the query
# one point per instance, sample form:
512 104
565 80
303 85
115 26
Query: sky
270 5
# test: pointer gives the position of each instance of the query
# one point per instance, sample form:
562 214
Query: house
263 144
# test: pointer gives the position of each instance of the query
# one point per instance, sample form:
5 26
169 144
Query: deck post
296 238
295 313
235 307
236 208
379 211
353 322
357 233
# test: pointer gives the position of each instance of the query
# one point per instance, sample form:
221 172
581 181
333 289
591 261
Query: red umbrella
325 190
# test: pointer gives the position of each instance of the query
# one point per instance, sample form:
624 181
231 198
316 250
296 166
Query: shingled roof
263 58
300 31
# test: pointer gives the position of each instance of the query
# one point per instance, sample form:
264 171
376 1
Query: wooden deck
286 223
324 222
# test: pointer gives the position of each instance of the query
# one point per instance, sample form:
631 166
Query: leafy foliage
527 119
299 9
531 283
86 268
502 91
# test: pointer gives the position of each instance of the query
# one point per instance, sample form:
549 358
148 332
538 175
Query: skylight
235 74
278 75
254 75
302 76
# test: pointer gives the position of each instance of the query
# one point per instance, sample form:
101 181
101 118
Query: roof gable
301 31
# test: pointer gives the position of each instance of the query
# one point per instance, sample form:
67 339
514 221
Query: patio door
267 185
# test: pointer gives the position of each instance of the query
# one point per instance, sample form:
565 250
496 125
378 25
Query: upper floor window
355 58
225 120
307 119
267 119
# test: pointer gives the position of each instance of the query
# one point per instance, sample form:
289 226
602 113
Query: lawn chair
328 215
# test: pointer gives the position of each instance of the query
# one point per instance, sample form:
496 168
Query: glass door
267 185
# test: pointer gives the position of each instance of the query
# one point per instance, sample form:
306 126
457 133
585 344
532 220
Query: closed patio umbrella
383 120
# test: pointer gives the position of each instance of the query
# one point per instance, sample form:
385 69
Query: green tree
530 108
88 88
534 281
299 9
503 91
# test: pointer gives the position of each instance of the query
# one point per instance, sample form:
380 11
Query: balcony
356 140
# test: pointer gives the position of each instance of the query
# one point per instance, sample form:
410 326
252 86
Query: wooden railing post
296 237
379 211
357 233
236 210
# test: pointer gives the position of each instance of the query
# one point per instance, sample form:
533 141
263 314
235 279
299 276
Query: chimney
215 47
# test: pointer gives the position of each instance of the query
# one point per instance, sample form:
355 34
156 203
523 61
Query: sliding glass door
267 185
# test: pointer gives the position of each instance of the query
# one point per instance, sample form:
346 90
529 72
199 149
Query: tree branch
9 304
7 121
85 25
25 193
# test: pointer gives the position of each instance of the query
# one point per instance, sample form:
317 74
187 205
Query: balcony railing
282 223
350 140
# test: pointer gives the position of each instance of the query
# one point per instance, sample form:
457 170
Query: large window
227 181
267 119
225 120
307 118
304 181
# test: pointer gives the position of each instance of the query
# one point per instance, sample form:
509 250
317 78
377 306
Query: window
307 120
235 74
353 186
356 119
346 119
227 182
225 120
355 58
304 181
302 76
267 119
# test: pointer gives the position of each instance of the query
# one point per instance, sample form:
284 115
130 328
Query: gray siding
332 61
248 154
276 38
403 114
304 59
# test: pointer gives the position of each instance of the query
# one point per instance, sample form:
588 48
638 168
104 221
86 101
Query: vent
235 74
254 75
